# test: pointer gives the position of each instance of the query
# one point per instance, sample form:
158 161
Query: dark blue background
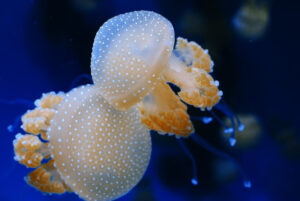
46 44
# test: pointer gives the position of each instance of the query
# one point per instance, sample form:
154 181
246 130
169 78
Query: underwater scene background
46 45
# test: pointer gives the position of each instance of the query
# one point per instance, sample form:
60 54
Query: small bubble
247 184
10 128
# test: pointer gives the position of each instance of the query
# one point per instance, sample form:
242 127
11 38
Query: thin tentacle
194 180
199 140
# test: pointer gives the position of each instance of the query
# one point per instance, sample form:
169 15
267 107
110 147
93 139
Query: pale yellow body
98 136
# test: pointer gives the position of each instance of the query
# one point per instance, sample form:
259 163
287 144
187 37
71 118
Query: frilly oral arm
190 73
163 111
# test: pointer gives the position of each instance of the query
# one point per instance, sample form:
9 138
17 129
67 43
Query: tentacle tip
228 130
17 137
247 184
241 127
220 93
37 102
207 120
232 141
217 83
178 136
203 108
17 158
194 181
208 108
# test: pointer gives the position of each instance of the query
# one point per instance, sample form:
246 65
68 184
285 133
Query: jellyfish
94 140
133 60
251 20
91 149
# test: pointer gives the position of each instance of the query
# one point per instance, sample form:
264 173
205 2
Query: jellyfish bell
133 58
96 151
129 54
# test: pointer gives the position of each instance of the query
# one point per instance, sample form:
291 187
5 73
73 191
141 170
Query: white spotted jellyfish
95 140
132 60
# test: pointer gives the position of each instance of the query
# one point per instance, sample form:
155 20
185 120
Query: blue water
46 44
